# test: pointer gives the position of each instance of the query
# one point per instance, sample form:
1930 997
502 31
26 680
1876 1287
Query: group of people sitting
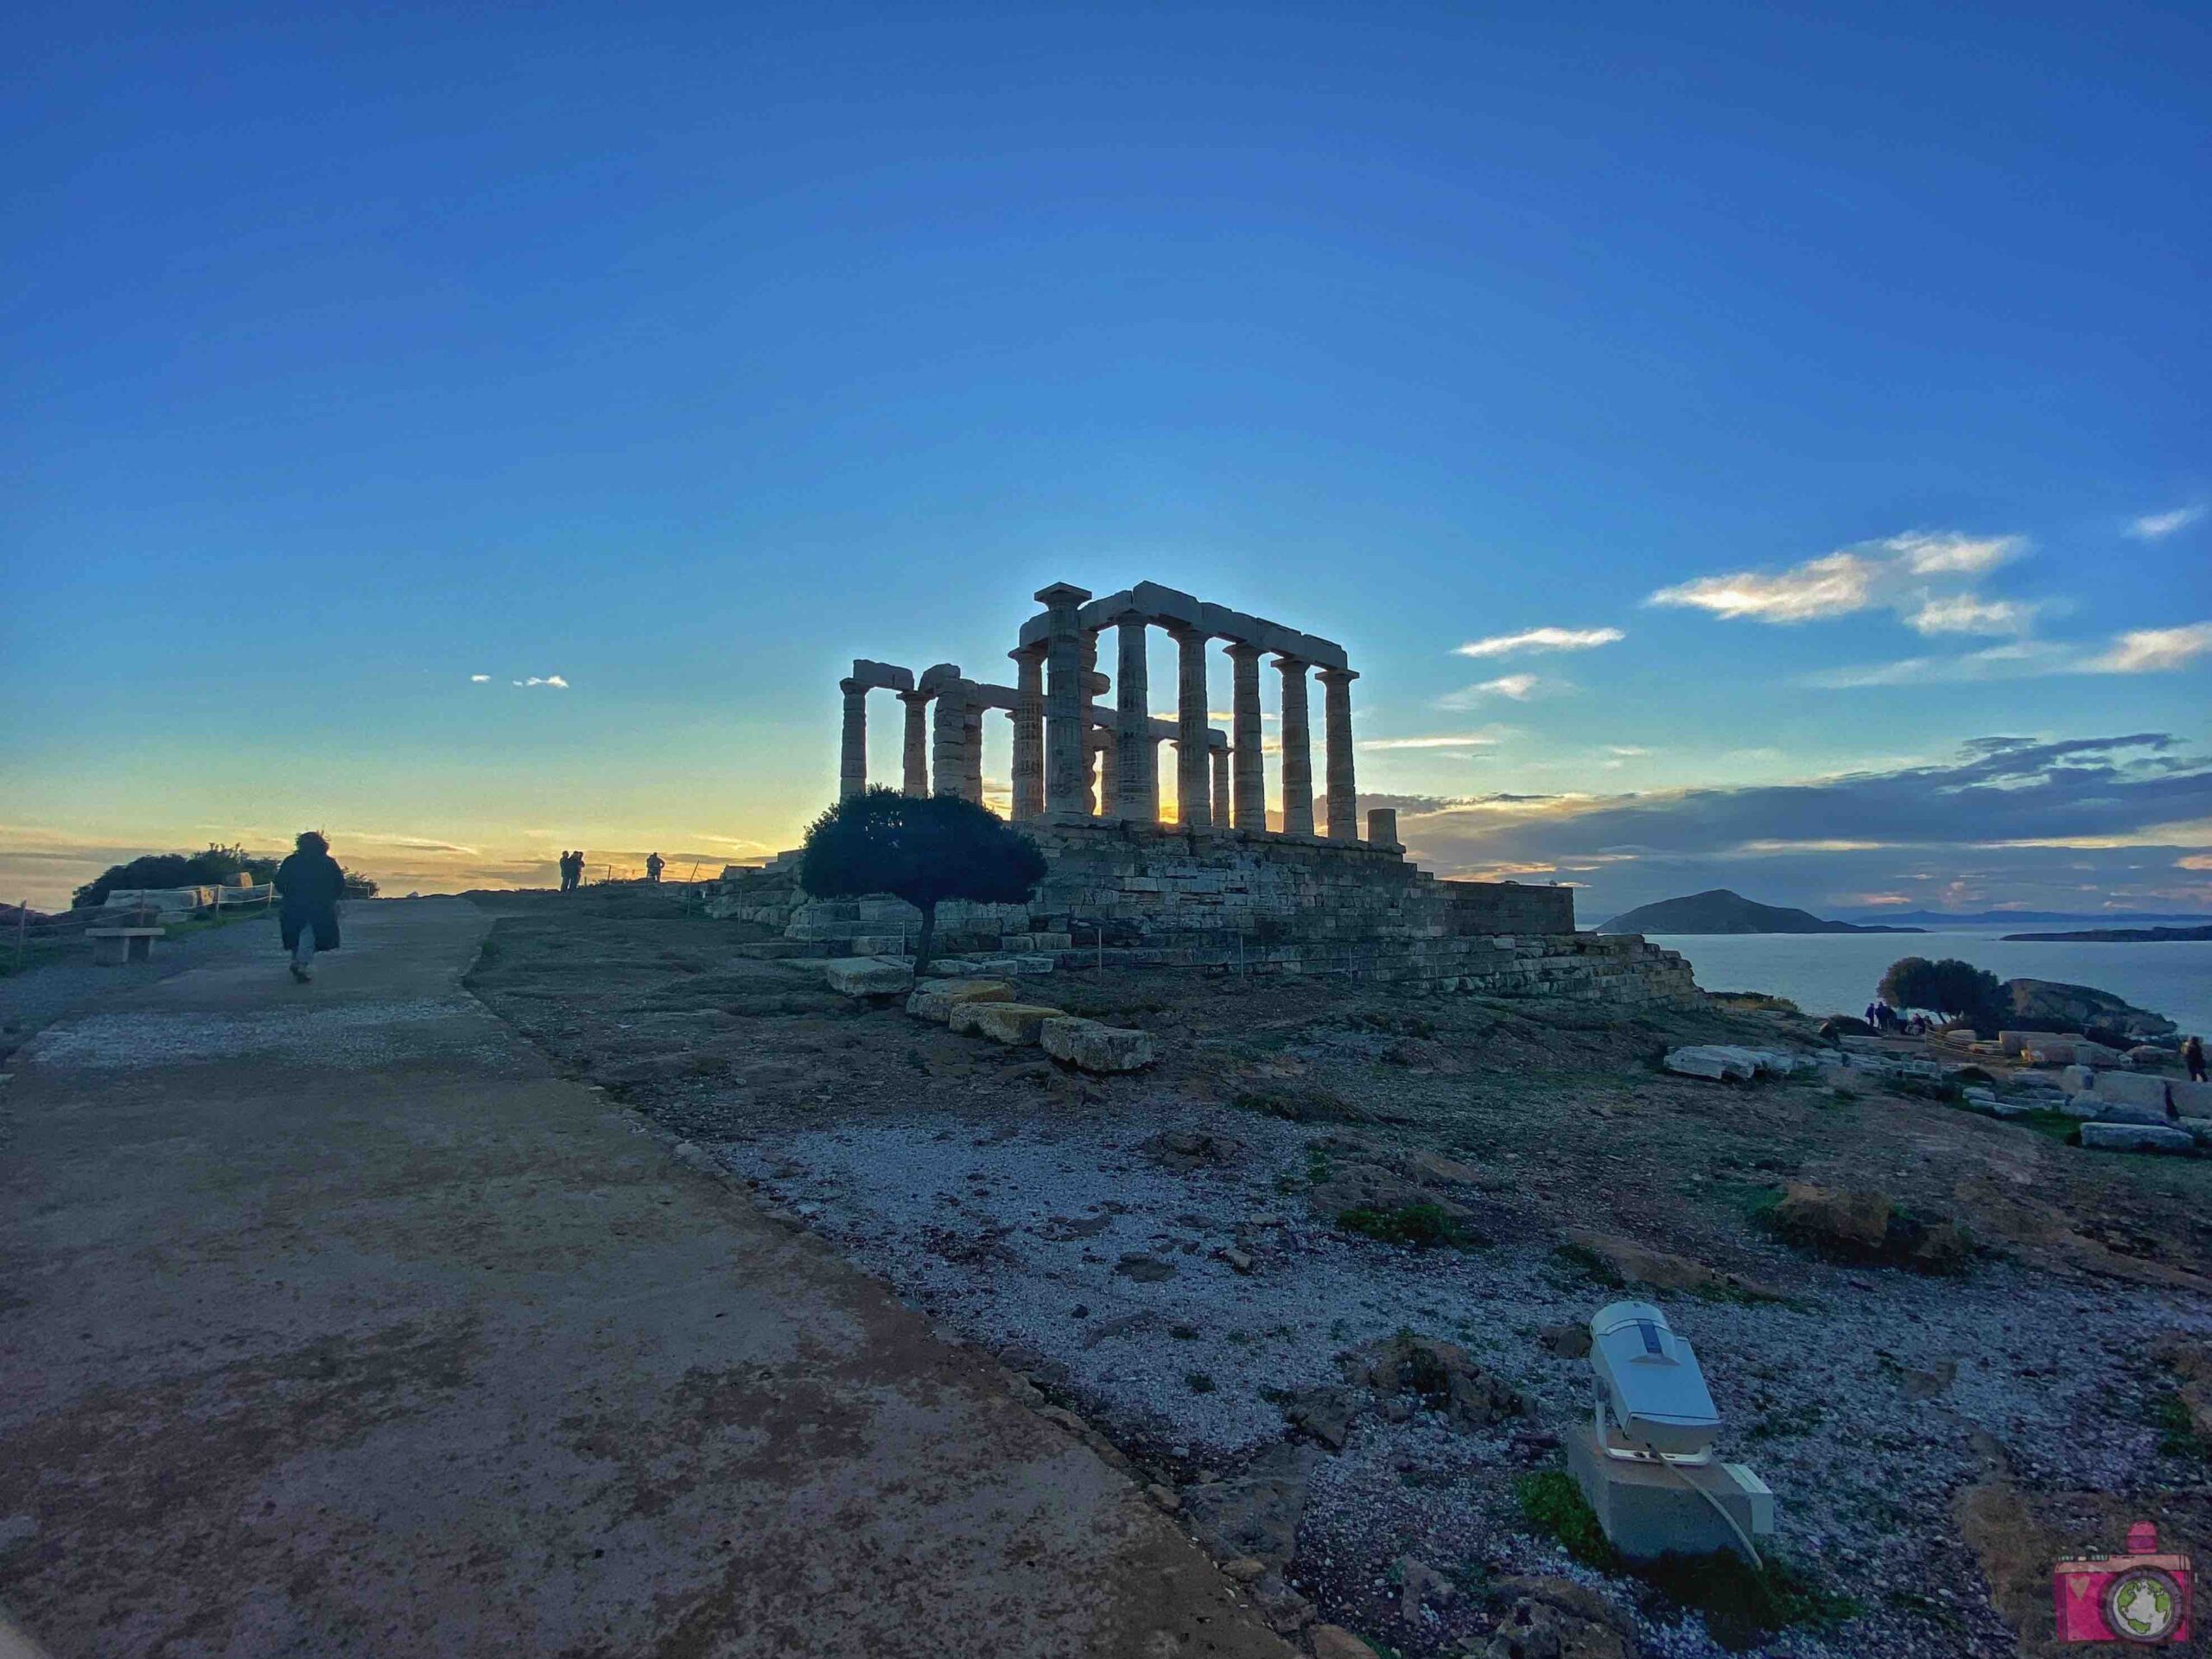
1883 1018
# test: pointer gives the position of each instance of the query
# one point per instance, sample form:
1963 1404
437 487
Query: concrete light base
1648 1511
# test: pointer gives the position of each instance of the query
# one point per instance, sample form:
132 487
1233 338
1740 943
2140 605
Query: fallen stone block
2056 1052
1712 1062
868 977
2077 1080
2083 1106
2190 1099
1014 1023
1091 1046
2018 1042
1034 963
937 1001
2132 1089
2120 1111
2198 1127
2136 1137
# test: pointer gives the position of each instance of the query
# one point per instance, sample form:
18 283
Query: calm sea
1836 973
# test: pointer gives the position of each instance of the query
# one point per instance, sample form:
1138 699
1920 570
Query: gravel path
38 998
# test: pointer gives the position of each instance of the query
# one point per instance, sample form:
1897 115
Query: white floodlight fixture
1653 1405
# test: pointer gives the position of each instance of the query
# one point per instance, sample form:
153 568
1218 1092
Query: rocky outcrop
1866 1228
2049 1005
1558 1618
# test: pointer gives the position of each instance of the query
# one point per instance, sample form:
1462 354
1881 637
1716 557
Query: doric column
1028 731
1136 784
1382 826
971 755
949 731
1065 700
1220 758
1095 745
1249 790
1107 748
1336 727
1193 785
852 750
1297 750
915 754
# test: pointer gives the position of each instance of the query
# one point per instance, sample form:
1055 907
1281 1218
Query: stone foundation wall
1237 902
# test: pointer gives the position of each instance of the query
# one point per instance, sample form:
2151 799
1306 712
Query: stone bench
113 946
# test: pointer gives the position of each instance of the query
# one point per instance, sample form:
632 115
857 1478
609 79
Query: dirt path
336 1323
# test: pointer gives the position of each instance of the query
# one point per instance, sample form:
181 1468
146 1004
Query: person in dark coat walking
654 865
310 884
2192 1056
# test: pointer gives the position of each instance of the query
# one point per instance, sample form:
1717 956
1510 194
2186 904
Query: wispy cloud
1966 613
1518 688
1890 572
1628 749
479 679
1503 644
553 680
1950 554
1455 740
2144 650
2157 526
2154 650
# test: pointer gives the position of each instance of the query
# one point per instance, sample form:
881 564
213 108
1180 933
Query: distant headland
1723 912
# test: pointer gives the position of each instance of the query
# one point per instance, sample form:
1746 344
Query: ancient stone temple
1225 883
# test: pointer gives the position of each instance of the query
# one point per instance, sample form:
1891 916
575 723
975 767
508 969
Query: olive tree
1949 987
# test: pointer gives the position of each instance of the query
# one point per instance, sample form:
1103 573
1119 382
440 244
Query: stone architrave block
937 1001
2132 1089
2136 1137
2120 1111
1091 1046
868 977
1016 1024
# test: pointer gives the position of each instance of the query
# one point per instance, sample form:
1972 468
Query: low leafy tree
357 885
921 849
211 867
1950 987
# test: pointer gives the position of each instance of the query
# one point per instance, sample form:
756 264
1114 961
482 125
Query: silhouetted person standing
310 884
654 865
2192 1056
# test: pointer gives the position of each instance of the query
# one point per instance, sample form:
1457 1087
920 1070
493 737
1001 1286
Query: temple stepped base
1234 902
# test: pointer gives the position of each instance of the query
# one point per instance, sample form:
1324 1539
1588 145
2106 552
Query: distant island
1942 918
1723 912
2114 936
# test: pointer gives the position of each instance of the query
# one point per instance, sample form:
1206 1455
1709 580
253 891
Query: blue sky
683 355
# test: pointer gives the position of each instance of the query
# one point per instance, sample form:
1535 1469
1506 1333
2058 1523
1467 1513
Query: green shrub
1742 1605
1418 1226
1552 1506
